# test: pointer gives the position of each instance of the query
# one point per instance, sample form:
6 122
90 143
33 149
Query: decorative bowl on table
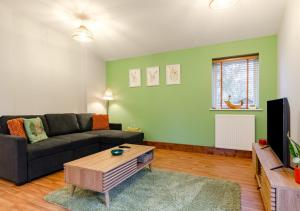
117 152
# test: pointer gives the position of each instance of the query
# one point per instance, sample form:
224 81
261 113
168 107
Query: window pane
230 81
234 82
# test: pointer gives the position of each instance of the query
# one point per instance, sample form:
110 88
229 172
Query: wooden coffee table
101 171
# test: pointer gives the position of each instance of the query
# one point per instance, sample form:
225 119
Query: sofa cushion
117 137
47 147
86 150
100 122
85 121
60 143
77 140
3 122
35 130
16 127
60 124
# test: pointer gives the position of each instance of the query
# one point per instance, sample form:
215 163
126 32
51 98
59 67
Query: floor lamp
108 96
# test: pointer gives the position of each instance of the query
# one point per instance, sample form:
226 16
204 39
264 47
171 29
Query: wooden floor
30 196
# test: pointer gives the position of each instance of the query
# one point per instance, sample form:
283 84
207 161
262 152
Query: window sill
214 109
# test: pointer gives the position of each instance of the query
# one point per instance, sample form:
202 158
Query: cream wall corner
289 63
44 71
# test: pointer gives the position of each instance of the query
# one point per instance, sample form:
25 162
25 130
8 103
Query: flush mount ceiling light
222 4
82 34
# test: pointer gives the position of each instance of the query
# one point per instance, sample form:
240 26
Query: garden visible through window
235 82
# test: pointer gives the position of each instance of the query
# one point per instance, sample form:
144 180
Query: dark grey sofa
70 137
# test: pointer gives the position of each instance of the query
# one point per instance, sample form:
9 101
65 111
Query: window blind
236 79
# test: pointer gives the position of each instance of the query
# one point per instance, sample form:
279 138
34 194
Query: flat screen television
278 116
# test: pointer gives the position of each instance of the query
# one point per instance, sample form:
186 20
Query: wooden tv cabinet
278 189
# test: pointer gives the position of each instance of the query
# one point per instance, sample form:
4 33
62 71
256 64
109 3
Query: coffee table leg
106 195
72 189
150 166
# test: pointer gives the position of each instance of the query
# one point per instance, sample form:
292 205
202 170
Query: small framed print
135 78
173 74
153 76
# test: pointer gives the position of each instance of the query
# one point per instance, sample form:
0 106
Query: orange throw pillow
100 122
16 127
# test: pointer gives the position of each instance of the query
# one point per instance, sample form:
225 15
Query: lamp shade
222 4
108 95
82 34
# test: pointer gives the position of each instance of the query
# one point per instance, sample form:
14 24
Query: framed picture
173 74
152 76
135 78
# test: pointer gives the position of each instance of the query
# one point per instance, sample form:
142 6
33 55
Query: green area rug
157 190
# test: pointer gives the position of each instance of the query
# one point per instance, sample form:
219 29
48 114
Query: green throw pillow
35 130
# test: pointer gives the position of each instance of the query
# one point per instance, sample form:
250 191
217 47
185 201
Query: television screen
278 116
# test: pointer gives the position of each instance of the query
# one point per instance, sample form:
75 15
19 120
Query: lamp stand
107 107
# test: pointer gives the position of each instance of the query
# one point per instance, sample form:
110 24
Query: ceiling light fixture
222 4
82 34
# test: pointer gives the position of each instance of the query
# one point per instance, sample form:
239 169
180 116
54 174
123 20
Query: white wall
45 71
96 83
289 63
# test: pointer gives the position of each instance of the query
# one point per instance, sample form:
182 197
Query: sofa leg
20 183
150 167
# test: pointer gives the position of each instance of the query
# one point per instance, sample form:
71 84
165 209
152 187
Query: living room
149 105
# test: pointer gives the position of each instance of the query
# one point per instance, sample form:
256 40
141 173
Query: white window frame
220 61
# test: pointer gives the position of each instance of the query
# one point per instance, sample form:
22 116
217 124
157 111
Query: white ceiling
126 28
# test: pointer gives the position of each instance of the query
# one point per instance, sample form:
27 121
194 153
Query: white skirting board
234 131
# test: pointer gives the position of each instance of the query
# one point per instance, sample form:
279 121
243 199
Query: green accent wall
181 113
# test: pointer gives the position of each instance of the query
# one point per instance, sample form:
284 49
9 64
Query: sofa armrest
13 159
115 126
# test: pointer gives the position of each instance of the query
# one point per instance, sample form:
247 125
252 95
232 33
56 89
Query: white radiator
234 131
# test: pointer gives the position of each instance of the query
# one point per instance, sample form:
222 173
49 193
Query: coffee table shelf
143 165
